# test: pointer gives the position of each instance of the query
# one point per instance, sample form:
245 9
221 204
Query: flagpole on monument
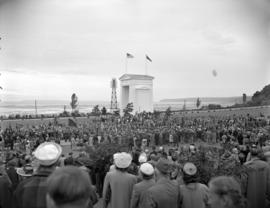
145 66
128 55
126 64
147 58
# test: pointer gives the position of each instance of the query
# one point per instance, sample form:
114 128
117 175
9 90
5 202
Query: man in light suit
147 174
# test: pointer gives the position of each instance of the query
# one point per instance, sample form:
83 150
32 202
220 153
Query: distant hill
237 99
261 97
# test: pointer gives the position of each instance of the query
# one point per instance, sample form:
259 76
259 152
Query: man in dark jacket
31 193
5 188
70 187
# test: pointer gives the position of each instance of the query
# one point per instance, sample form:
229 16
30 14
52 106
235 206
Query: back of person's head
225 192
190 174
254 151
68 187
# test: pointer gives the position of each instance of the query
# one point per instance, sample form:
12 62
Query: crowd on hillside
151 173
157 131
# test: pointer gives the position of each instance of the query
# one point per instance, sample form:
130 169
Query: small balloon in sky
214 72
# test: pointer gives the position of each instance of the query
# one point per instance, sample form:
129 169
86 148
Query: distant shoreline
234 99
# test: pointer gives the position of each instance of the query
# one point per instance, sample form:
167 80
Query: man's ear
49 201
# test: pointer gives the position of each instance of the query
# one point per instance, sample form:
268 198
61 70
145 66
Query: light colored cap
190 169
48 153
142 158
147 169
115 155
123 160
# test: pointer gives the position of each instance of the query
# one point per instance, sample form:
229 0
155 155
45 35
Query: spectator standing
165 193
118 184
225 192
31 193
5 188
147 174
193 194
258 184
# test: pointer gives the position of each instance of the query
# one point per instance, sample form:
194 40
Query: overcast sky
52 48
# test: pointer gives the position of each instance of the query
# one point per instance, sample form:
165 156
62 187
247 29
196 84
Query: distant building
137 89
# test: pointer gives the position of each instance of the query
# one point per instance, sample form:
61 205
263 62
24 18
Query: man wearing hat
5 188
165 193
118 184
147 173
193 193
258 185
31 193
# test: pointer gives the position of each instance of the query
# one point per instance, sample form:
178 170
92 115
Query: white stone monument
137 89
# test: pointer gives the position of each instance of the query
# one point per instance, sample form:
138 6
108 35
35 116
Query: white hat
142 158
48 153
147 169
190 169
122 160
115 155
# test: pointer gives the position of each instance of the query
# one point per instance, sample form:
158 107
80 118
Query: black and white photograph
134 103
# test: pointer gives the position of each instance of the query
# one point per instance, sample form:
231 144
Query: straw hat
48 153
25 171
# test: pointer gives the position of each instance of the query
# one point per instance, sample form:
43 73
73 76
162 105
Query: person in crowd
69 160
153 159
70 187
31 193
62 160
12 174
165 193
112 167
142 158
258 184
118 184
25 172
193 193
267 157
5 188
147 175
225 192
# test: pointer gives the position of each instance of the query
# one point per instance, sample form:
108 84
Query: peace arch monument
137 89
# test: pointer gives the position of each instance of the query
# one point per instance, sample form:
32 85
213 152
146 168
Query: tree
156 114
96 111
168 113
104 111
244 98
74 101
129 108
198 102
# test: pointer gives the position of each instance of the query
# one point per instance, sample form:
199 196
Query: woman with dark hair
225 192
193 193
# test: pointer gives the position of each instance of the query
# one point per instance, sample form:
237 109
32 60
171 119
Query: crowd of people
35 172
